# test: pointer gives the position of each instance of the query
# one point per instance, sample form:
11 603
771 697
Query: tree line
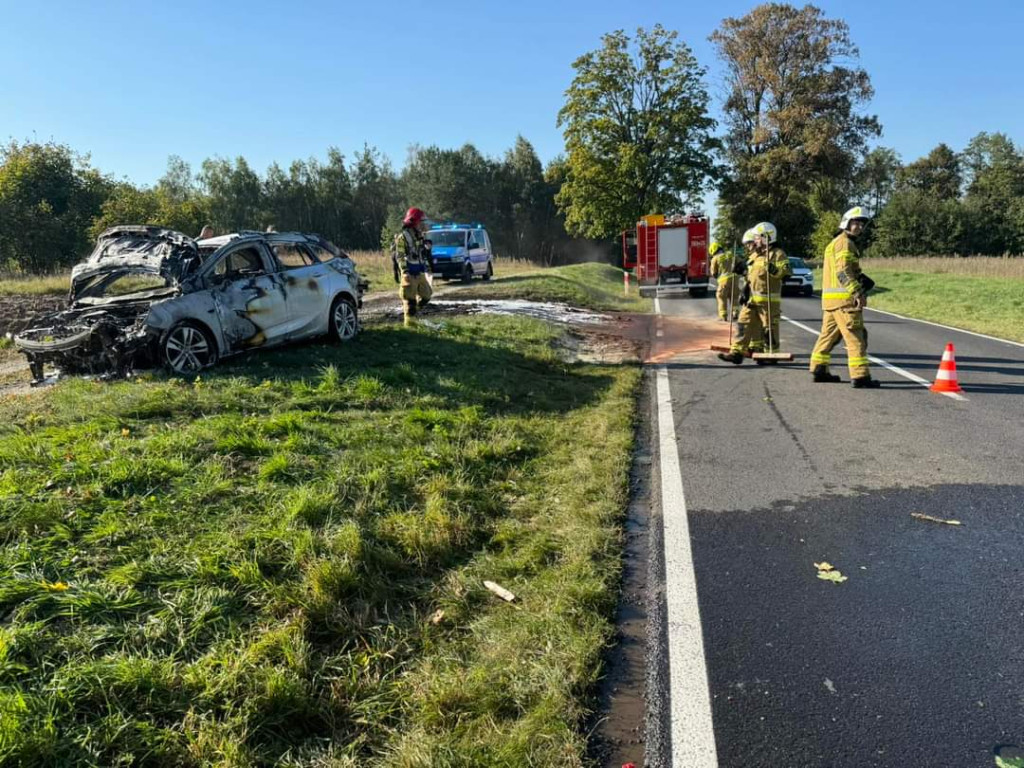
795 146
53 202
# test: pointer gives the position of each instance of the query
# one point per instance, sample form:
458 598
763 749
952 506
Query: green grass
597 286
241 569
35 285
989 305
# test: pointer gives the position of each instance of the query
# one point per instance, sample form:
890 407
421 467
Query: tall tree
993 170
876 177
637 132
937 173
792 114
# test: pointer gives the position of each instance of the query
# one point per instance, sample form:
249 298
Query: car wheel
808 291
467 273
188 348
344 319
490 271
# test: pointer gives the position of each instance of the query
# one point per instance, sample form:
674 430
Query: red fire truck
670 255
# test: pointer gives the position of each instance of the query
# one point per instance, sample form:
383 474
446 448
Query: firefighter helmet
852 215
714 248
766 230
749 236
413 217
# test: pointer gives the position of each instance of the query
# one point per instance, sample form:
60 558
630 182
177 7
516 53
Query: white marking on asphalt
885 364
947 327
660 333
692 730
657 306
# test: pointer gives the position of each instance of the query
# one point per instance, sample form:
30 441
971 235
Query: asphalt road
918 658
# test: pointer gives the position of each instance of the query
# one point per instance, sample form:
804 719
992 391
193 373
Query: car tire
467 273
490 271
809 291
187 348
344 319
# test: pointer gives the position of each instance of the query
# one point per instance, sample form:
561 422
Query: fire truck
670 255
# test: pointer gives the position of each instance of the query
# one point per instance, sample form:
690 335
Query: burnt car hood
135 249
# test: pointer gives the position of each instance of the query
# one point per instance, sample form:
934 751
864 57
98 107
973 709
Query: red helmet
413 217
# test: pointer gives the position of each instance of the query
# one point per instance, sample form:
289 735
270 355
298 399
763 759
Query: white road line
947 327
692 730
885 364
693 734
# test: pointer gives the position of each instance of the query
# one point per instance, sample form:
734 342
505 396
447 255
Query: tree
993 171
938 174
792 114
235 194
917 223
876 177
375 193
637 133
48 198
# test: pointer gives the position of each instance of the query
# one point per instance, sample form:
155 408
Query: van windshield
447 237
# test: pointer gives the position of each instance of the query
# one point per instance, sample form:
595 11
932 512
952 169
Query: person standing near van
411 261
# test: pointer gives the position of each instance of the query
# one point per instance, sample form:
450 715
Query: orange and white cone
945 379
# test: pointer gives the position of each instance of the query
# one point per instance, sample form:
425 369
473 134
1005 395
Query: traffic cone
945 379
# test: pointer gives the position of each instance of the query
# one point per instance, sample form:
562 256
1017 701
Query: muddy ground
17 311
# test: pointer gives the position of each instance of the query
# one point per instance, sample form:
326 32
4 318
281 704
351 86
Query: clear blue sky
133 82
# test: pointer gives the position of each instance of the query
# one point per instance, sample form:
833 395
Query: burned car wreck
148 296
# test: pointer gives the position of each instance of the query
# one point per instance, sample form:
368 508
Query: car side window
485 241
244 261
292 255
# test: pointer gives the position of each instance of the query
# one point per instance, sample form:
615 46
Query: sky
131 83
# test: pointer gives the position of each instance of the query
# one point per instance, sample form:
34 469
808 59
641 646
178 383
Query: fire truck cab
670 255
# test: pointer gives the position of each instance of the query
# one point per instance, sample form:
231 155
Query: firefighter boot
866 382
736 358
822 376
410 312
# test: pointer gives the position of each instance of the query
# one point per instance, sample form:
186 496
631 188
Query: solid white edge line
885 364
692 729
947 327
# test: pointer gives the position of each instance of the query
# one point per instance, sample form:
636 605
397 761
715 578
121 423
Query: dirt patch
16 312
685 335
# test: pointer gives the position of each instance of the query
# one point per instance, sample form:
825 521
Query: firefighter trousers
728 293
415 292
754 319
848 325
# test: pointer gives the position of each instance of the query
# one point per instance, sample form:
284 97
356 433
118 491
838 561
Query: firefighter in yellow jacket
412 262
724 268
760 317
843 298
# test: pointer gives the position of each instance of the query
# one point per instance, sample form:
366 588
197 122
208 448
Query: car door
307 284
248 297
478 250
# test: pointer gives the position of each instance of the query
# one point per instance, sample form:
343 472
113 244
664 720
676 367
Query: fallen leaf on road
830 685
833 576
931 519
823 566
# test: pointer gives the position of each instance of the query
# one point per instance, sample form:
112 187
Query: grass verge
597 286
992 305
281 562
35 285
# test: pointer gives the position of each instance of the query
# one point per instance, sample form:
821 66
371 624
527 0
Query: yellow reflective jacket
722 267
408 252
840 274
764 286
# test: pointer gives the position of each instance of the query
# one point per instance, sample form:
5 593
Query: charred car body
151 296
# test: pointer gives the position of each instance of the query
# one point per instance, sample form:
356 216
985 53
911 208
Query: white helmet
854 213
749 236
766 230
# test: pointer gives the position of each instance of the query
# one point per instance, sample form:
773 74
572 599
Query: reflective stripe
821 358
836 295
856 361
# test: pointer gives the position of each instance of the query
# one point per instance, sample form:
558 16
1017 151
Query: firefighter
765 272
411 259
843 298
725 269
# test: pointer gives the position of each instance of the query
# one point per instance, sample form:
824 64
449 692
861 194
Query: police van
461 251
